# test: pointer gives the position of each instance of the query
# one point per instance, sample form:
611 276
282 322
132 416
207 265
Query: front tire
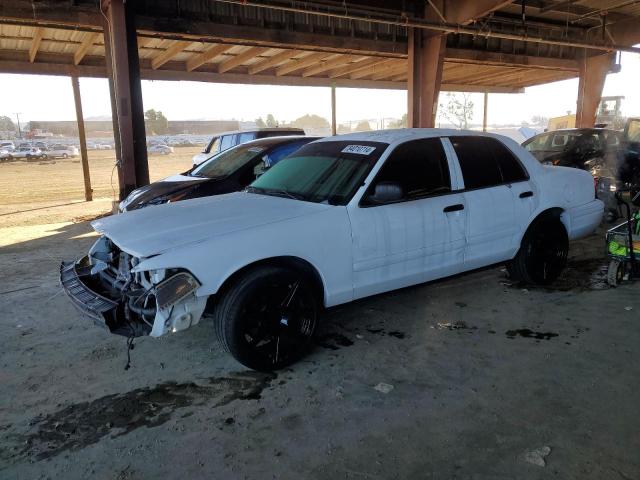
543 253
267 318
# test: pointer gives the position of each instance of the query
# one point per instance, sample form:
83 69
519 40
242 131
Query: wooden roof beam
340 61
207 55
294 65
462 12
273 61
241 58
87 42
35 43
174 49
383 66
355 67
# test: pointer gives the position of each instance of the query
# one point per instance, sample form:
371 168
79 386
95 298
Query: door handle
453 208
526 194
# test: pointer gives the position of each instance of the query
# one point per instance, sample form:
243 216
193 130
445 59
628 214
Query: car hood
162 188
157 229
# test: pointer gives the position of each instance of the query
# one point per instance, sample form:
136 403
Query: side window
511 169
420 168
279 153
478 164
246 137
226 142
214 146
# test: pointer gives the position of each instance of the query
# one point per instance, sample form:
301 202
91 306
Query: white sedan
340 219
160 149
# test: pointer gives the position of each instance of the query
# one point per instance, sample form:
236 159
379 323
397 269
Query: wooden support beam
83 48
133 169
426 59
35 43
207 55
88 192
174 49
241 58
273 61
355 67
376 68
392 71
339 61
461 56
593 73
304 62
144 41
462 12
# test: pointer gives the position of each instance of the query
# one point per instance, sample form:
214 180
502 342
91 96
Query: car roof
274 141
581 130
399 135
257 130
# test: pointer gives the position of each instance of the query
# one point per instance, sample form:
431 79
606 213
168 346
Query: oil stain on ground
82 424
527 333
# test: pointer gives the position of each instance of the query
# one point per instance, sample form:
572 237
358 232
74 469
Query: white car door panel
413 240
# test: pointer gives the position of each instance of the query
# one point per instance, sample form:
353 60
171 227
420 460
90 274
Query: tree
343 128
363 126
313 123
539 120
156 122
401 123
458 109
7 125
260 123
271 121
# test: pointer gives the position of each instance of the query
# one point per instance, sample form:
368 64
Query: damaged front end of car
108 286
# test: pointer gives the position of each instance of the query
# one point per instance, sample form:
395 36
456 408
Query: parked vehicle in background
62 151
342 218
229 171
29 153
596 150
8 146
160 149
5 154
224 141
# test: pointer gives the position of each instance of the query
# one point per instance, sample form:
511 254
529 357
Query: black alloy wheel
543 253
267 319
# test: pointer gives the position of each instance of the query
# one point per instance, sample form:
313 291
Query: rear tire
267 318
543 253
65 156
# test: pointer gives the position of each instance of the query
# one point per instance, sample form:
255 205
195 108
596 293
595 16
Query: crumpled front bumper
105 312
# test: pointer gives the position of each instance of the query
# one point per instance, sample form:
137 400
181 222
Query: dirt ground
466 378
34 184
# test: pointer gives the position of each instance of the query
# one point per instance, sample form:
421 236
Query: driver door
417 237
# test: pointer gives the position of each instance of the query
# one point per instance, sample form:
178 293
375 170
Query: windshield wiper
278 192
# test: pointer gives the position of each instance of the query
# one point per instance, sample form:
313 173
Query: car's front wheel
268 317
65 156
543 253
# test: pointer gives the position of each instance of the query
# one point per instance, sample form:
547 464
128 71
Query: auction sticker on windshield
359 149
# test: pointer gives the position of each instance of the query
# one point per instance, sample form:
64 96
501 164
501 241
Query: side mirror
386 192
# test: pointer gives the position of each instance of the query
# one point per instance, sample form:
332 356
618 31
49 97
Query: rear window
278 133
486 162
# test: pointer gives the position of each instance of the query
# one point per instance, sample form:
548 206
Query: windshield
227 162
321 172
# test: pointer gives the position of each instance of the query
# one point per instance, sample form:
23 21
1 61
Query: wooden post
334 127
486 109
88 192
133 171
426 58
593 73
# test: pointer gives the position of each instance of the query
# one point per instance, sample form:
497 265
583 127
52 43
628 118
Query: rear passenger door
497 196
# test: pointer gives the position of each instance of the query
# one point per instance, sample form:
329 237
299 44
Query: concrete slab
484 376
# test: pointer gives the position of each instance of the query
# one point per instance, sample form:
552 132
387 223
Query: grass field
23 184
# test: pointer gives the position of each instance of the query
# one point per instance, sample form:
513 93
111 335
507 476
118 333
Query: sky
51 98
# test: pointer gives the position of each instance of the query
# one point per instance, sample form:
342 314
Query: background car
229 171
27 152
160 149
4 154
223 141
61 151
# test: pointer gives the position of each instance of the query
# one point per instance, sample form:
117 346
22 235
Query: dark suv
224 141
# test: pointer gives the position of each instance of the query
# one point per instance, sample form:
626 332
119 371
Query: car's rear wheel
543 253
267 318
64 155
